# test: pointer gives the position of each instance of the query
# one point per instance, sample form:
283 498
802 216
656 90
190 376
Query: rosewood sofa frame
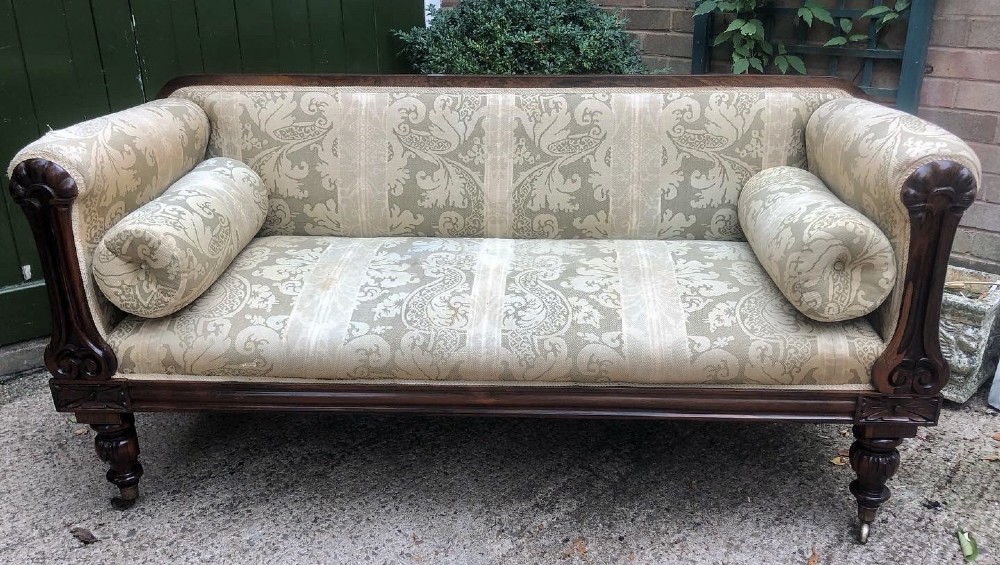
908 377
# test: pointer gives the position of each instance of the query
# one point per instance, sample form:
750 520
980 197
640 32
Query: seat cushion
498 310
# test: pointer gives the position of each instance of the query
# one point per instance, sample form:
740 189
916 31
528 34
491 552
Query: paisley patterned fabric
634 163
120 162
169 251
829 260
498 310
864 152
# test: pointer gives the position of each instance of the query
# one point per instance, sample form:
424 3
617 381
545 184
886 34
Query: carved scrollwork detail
46 191
880 409
935 196
77 396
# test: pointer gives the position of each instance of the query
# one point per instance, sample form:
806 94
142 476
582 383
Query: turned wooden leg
117 444
875 460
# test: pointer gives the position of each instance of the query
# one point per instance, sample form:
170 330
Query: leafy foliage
501 37
752 50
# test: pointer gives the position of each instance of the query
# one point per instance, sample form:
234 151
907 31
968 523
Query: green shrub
502 37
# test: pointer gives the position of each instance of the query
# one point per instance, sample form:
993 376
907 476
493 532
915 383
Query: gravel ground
292 488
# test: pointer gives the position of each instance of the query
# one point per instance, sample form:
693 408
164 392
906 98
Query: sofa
694 248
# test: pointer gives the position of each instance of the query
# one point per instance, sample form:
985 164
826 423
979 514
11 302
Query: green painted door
64 61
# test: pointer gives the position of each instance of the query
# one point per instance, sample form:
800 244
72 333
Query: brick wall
962 93
663 28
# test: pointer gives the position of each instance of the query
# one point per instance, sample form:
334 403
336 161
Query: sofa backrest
524 162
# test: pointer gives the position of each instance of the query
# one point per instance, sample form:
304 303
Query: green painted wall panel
25 313
167 34
391 15
63 63
326 30
360 47
217 33
292 33
255 19
119 54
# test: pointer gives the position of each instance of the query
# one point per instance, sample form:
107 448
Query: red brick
965 63
949 32
984 32
938 92
675 44
647 19
623 3
989 155
970 126
989 190
682 20
978 96
970 7
982 215
669 3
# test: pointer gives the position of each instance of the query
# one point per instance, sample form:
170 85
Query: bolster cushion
830 261
161 257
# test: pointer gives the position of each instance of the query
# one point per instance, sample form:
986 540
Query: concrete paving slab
297 488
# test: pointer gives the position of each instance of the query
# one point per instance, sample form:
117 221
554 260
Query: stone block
670 44
989 155
938 92
984 33
647 19
964 63
975 95
986 245
969 333
682 21
989 190
982 215
963 241
949 32
970 126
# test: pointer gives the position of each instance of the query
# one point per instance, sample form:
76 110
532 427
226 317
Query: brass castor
863 532
127 499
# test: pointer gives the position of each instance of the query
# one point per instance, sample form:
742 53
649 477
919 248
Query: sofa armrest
75 183
914 180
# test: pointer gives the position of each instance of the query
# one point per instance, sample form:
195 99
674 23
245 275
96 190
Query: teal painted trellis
912 56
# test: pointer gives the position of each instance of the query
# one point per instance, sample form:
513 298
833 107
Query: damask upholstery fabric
161 257
829 260
635 163
864 152
120 162
498 310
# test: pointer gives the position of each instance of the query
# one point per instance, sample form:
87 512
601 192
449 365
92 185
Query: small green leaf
741 66
757 64
876 12
767 48
835 41
796 63
902 5
888 18
782 49
705 7
721 38
970 549
782 64
807 15
736 24
846 24
749 29
823 15
857 37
